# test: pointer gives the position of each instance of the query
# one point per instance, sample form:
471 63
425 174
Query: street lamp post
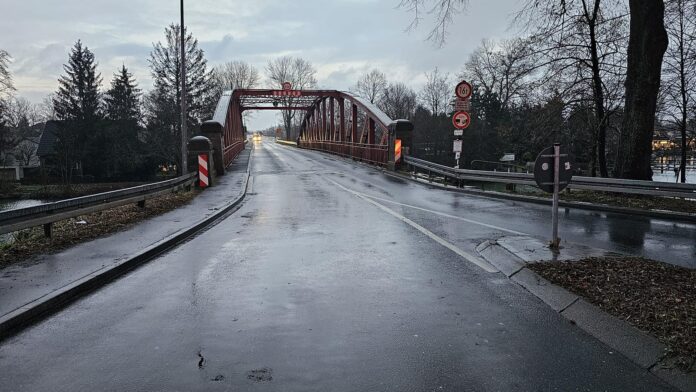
184 157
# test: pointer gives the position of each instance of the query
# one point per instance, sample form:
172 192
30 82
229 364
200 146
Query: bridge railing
614 185
371 153
46 214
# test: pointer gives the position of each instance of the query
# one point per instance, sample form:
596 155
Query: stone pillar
213 130
402 130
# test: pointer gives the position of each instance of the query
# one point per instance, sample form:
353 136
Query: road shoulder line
466 256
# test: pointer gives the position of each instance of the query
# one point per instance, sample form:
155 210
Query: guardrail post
213 131
203 147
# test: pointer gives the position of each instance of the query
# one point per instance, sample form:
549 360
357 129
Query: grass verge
27 243
655 297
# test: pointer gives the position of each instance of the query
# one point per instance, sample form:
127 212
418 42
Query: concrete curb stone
639 347
556 297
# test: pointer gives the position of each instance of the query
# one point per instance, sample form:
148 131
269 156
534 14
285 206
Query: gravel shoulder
24 244
655 297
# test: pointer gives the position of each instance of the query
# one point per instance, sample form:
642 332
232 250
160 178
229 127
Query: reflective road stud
203 171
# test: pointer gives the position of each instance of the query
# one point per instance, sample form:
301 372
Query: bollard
201 160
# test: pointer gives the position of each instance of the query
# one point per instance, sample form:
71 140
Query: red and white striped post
203 178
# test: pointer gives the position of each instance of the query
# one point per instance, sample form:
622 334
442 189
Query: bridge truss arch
333 121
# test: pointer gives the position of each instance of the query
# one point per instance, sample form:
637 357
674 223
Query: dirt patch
632 201
31 242
656 297
260 375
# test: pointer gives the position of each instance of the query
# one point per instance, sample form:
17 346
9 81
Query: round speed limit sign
463 90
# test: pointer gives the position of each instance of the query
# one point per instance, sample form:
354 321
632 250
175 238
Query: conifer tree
118 143
122 100
77 105
163 109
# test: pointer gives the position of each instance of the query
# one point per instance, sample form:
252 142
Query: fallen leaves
656 297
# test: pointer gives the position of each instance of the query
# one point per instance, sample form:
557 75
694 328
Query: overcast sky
342 38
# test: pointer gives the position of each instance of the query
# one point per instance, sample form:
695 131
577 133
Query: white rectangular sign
457 146
458 132
457 155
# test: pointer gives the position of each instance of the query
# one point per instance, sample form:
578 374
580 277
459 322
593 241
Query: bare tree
436 93
371 86
20 111
46 110
7 135
399 101
6 85
644 52
442 10
236 75
300 73
502 68
679 74
581 44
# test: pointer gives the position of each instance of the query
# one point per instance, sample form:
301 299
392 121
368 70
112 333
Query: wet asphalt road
313 285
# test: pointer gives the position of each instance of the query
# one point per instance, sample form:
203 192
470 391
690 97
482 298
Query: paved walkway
32 279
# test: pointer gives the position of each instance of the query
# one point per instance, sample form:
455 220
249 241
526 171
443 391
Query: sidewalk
33 279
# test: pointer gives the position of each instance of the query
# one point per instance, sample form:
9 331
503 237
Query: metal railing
615 185
46 214
372 153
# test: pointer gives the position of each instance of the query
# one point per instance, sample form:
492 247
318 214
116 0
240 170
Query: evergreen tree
118 143
164 113
122 100
77 98
77 104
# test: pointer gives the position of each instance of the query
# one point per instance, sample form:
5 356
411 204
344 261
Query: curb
634 344
20 318
667 215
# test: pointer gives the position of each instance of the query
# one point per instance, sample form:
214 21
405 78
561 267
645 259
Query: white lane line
466 256
446 215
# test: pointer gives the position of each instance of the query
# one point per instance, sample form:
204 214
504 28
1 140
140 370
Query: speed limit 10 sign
463 90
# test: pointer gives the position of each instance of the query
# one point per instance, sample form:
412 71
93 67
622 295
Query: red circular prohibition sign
461 120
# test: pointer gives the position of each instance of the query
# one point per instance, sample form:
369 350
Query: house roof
48 139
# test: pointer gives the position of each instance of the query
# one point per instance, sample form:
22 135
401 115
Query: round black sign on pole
543 169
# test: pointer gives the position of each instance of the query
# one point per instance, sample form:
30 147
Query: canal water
669 176
11 204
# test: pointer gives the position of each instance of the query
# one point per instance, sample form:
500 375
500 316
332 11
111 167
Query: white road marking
466 256
446 215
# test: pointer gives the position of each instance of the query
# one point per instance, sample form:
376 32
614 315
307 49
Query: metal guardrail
43 214
615 185
286 142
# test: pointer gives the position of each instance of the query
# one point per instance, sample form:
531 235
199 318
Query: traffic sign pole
555 242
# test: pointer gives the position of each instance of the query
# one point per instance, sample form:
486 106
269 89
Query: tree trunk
597 91
646 47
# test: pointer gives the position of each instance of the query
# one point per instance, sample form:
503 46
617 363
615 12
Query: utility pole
184 157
